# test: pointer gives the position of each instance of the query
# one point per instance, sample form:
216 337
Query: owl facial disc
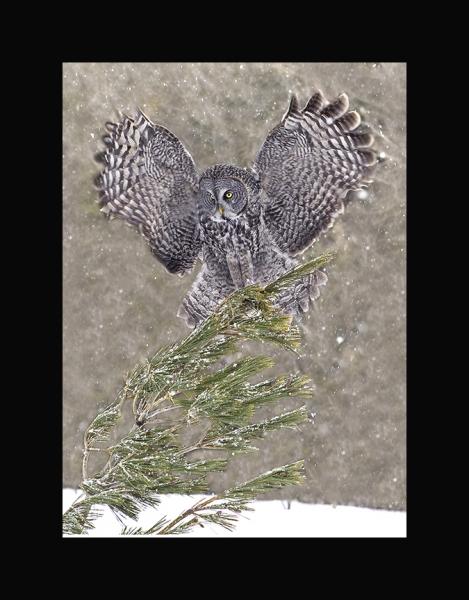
223 197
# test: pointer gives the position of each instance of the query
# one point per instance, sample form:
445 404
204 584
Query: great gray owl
246 225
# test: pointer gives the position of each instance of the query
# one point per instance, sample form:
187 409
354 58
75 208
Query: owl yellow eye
227 195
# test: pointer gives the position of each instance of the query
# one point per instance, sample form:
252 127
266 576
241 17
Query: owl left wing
307 165
149 180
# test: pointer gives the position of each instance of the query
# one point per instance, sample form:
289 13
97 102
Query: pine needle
179 381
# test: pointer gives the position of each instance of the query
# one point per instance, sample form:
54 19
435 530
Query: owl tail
298 298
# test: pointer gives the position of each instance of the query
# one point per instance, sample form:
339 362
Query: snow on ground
270 519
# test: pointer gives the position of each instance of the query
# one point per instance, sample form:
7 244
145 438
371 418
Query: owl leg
297 299
240 266
203 298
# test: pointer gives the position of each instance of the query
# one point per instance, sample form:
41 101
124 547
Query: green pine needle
177 388
298 272
292 474
102 425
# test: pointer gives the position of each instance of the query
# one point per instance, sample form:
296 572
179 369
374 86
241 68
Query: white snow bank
270 519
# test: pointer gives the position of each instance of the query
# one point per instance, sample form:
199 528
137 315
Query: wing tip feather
315 103
292 108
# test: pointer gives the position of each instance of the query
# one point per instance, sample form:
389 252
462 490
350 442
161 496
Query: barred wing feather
149 180
307 165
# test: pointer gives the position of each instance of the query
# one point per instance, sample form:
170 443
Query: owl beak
221 210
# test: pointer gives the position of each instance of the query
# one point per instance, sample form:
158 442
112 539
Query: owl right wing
149 180
307 165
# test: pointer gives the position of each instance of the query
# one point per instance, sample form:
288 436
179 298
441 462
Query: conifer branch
177 383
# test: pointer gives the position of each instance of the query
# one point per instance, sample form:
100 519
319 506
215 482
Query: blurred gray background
119 304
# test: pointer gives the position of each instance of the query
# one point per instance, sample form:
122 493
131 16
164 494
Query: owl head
227 192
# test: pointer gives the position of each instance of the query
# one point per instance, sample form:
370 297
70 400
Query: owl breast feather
243 251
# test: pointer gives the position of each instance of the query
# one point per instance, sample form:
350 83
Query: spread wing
149 180
307 165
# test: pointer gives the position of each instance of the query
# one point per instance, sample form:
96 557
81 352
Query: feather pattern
150 181
307 165
246 225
